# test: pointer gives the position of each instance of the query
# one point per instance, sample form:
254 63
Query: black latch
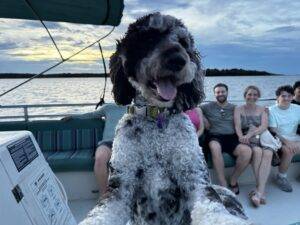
17 193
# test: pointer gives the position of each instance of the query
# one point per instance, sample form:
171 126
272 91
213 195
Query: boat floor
281 209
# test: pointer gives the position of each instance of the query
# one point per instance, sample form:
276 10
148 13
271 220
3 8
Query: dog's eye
183 42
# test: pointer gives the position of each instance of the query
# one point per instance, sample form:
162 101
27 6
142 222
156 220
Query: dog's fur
159 175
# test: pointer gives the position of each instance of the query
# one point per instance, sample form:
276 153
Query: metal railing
27 116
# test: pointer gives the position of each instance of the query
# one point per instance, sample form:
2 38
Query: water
83 90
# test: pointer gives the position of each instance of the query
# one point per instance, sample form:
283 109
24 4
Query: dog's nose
175 63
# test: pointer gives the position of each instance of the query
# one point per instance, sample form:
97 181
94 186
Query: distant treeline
235 72
55 75
209 73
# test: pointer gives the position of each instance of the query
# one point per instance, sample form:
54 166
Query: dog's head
158 59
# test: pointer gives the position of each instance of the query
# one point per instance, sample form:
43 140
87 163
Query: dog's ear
122 90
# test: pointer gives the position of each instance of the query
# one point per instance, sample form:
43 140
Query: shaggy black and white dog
158 173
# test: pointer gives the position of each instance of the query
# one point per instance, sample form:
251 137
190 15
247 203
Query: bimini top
97 12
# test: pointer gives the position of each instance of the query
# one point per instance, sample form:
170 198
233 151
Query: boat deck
281 209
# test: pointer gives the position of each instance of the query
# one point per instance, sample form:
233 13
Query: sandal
263 200
255 198
234 188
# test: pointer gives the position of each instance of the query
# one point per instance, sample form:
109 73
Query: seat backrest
67 135
10 126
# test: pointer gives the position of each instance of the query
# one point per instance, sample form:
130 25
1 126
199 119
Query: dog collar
155 113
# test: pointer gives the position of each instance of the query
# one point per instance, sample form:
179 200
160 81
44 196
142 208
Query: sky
247 34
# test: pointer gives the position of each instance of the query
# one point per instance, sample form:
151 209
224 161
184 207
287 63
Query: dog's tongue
166 89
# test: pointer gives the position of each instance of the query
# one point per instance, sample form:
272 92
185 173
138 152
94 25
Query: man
296 87
296 99
222 137
112 114
284 118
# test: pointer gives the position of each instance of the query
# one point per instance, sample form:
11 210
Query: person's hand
244 139
291 146
66 118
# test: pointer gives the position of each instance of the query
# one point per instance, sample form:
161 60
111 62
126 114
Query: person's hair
251 87
296 85
221 85
288 88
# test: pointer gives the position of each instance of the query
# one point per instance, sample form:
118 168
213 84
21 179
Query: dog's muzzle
175 63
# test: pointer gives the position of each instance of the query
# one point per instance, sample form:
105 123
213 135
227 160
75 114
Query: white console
30 193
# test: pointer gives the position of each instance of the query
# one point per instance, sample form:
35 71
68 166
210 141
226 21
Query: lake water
87 90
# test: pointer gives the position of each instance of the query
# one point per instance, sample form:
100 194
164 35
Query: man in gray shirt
218 118
112 114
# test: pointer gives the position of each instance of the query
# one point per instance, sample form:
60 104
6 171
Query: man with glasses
284 118
218 119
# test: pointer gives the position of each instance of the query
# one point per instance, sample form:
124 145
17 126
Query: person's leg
102 157
256 161
286 158
218 161
243 156
264 170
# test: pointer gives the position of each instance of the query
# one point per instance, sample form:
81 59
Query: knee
214 146
216 151
267 155
245 153
257 152
286 152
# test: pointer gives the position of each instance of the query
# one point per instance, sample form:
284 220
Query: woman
250 121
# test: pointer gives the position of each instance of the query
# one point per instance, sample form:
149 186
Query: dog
158 175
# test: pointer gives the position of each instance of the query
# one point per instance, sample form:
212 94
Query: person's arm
277 134
263 126
90 115
237 121
201 128
237 125
273 126
298 128
291 145
206 123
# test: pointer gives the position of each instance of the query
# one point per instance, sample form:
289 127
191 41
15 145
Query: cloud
7 46
222 27
284 29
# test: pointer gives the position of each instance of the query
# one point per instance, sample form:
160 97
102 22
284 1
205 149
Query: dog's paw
208 212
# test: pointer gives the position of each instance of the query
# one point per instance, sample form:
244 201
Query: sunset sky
247 34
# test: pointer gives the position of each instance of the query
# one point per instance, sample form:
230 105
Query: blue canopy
97 12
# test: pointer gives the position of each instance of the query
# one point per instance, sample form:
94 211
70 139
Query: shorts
106 143
228 142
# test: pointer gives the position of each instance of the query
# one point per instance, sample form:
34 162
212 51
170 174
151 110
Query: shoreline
26 76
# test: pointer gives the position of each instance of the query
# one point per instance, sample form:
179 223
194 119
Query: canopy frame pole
102 96
57 64
38 16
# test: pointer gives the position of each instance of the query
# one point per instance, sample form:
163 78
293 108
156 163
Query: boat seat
228 161
66 145
70 145
296 158
11 126
78 160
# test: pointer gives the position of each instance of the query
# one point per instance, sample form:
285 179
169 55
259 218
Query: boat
68 148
